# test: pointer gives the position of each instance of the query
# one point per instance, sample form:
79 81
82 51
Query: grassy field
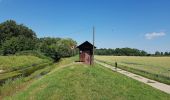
15 62
15 66
157 68
83 82
11 86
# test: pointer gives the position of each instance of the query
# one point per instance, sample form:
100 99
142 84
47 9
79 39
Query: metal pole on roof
93 43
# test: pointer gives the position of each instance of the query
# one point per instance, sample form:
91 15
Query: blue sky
142 24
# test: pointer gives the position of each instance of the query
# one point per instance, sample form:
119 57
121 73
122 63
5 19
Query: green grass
157 68
83 82
17 62
29 67
14 66
8 75
12 86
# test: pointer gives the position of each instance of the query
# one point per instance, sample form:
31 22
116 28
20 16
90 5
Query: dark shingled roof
86 44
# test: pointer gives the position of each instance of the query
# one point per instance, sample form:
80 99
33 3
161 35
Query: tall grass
15 62
11 86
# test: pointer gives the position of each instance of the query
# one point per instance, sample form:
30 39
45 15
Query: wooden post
93 43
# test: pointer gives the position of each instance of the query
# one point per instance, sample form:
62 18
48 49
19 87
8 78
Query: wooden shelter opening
86 52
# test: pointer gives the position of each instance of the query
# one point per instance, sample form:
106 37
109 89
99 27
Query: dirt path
161 86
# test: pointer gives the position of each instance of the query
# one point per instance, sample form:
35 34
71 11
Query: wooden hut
86 52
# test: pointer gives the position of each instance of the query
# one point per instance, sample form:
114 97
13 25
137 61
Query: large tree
10 28
57 47
15 37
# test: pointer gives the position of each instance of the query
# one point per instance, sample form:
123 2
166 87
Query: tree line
157 53
128 52
16 38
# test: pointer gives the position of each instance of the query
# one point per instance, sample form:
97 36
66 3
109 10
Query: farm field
84 82
157 68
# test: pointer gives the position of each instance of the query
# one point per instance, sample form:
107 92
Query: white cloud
154 35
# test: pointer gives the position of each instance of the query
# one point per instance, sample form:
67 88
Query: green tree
15 37
162 53
121 52
10 28
16 44
144 53
157 53
57 47
166 53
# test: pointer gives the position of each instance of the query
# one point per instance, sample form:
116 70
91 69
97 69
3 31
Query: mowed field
153 67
